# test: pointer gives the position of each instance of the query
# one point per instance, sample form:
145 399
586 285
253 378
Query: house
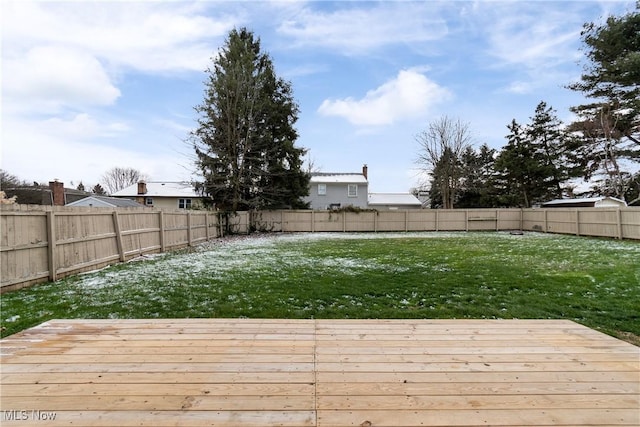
394 201
162 195
590 202
338 190
55 194
96 201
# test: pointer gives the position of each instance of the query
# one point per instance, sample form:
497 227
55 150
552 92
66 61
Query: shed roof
160 189
582 201
104 201
405 199
338 178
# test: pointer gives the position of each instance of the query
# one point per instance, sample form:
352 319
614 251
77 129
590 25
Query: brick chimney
142 187
57 192
365 171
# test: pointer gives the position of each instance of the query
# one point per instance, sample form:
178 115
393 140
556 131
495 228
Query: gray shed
105 202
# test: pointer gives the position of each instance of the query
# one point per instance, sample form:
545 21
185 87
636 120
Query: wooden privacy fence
45 243
48 243
601 222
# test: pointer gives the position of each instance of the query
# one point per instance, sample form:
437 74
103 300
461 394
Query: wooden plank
176 377
476 377
160 389
463 402
370 368
171 418
476 417
162 403
158 357
476 388
12 368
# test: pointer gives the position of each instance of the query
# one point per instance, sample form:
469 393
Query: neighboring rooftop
586 202
106 202
158 189
334 178
393 199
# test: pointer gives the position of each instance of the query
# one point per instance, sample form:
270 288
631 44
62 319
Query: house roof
583 200
338 178
104 201
394 199
160 189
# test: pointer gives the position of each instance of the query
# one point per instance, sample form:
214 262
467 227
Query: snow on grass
272 253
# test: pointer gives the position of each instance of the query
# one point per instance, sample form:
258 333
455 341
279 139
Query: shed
105 202
588 202
393 201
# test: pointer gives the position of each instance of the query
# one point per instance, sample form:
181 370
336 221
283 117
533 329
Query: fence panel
360 221
422 220
630 223
296 221
24 247
328 221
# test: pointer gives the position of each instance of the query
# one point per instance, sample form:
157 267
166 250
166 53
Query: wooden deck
230 372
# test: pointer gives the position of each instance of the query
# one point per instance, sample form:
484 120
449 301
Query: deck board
264 372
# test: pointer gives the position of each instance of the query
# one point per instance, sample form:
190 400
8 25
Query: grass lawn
595 282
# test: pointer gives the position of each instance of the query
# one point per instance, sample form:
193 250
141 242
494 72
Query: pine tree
609 125
245 140
547 135
525 175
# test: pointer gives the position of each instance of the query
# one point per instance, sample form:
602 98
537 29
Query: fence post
521 219
577 222
51 248
375 221
116 227
313 221
189 237
546 222
206 225
466 220
497 219
344 221
162 232
437 221
619 224
406 220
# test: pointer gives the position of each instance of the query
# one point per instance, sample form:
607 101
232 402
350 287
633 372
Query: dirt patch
629 337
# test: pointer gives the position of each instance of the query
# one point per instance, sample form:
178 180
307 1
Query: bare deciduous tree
115 179
439 155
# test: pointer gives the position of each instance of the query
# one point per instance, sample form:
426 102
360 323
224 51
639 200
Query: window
184 203
148 201
352 190
322 189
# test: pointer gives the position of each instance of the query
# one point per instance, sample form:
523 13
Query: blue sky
88 86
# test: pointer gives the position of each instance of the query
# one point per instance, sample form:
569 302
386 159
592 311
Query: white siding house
338 190
162 195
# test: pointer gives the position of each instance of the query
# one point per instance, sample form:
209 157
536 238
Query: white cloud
82 148
410 94
357 30
48 78
150 36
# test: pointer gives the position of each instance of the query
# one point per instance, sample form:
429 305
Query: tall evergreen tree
245 139
547 135
478 187
609 125
525 175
